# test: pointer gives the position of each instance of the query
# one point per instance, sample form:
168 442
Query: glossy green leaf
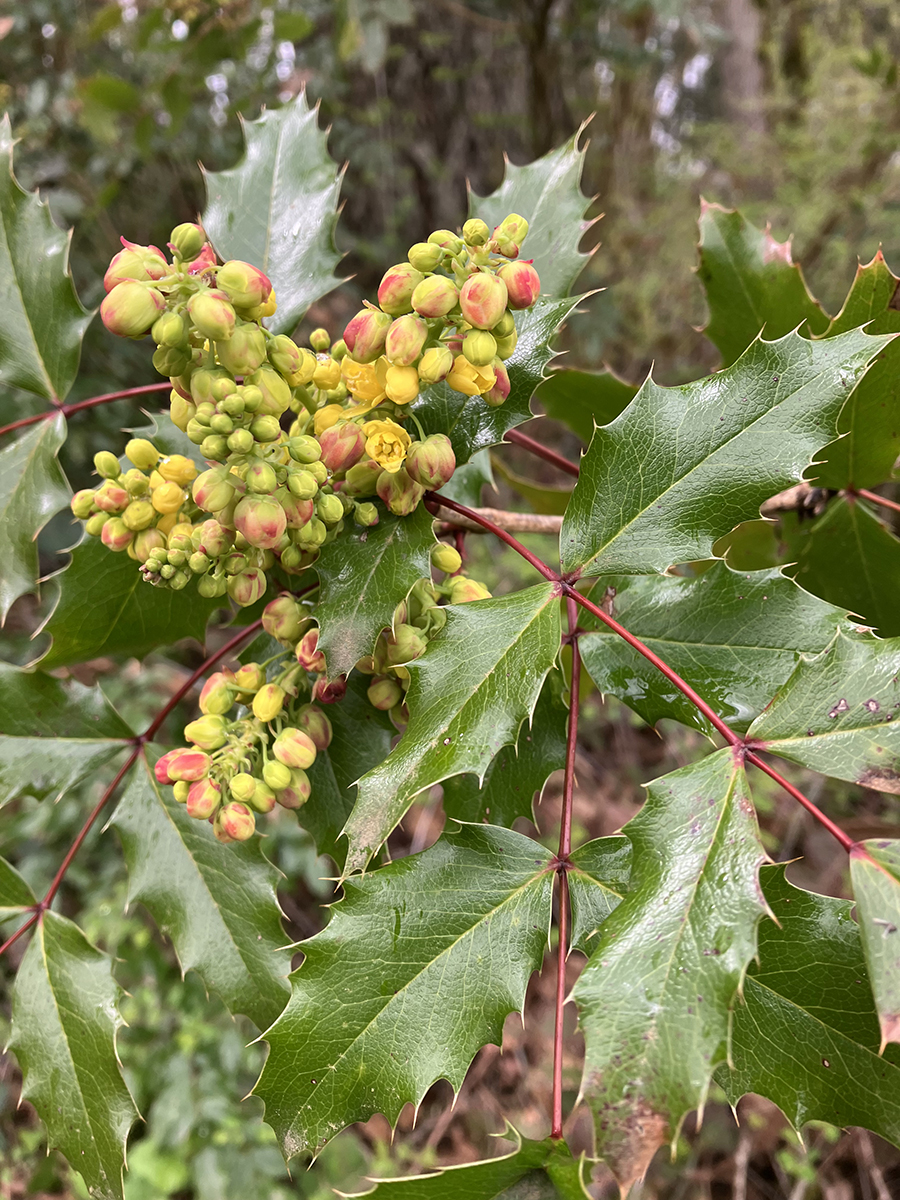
836 714
417 969
277 209
805 1033
735 637
599 878
682 466
533 1171
64 1024
105 607
364 575
53 735
751 284
469 694
43 319
216 902
32 489
15 894
875 875
583 399
517 775
847 557
656 996
871 418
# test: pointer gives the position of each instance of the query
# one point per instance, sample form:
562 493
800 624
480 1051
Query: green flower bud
434 297
169 360
285 355
214 447
464 590
263 798
450 243
211 586
135 482
268 702
431 463
276 392
82 503
199 563
399 492
319 471
261 478
296 794
209 732
365 334
482 299
246 286
248 587
139 515
94 525
130 309
314 723
366 515
187 240
329 509
479 347
435 365
244 351
362 479
276 775
212 315
304 449
181 411
107 465
180 790
241 441
405 340
384 693
302 485
283 620
506 346
170 330
475 232
217 694
294 748
396 289
236 822
242 786
445 558
207 378
425 256
203 798
405 644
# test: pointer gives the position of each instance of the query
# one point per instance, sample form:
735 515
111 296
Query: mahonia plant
320 496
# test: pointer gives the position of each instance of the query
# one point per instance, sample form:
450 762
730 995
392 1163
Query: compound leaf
805 1033
417 969
277 209
217 903
875 874
64 1023
751 284
836 714
469 694
43 319
583 399
598 879
54 735
734 636
656 996
682 466
364 575
32 489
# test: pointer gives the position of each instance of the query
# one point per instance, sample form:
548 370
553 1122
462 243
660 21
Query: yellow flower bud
177 468
327 416
167 498
465 377
327 374
142 453
168 522
387 443
270 305
401 384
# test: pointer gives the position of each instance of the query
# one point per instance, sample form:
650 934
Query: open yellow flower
465 377
386 442
363 384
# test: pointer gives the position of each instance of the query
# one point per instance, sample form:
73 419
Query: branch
68 409
435 500
874 498
540 451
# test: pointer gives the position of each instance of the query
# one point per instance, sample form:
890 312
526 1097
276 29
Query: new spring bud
245 286
262 522
209 732
206 258
296 793
405 644
110 498
106 464
405 339
314 723
212 315
523 284
247 587
305 370
500 390
145 541
434 297
320 340
241 441
167 498
309 656
302 484
329 509
361 480
213 490
264 429
263 798
161 767
342 446
400 493
450 243
365 334
479 347
294 748
475 232
177 468
445 558
276 392
115 534
469 379
464 590
330 692
250 677
214 539
181 411
142 453
268 702
203 798
431 463
188 240
208 378
506 346
384 693
261 478
365 515
236 821
283 619
181 790
396 289
139 515
217 694
327 374
244 351
435 365
304 449
82 503
134 262
512 228
189 765
482 299
276 775
211 586
297 512
242 786
401 384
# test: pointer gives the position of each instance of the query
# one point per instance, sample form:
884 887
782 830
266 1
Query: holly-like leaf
533 1171
364 576
805 1033
875 874
871 417
417 969
836 714
469 694
43 319
656 995
734 636
847 557
682 466
217 903
583 399
32 489
598 879
54 735
15 894
277 209
751 284
517 775
105 607
64 1023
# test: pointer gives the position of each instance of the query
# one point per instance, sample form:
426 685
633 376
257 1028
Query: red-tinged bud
217 695
209 732
147 540
523 284
214 490
296 793
500 390
276 775
248 587
203 799
82 503
405 644
362 479
405 340
365 334
309 656
435 365
268 702
482 299
314 722
212 315
189 765
343 445
205 259
262 522
236 821
464 590
276 391
384 693
263 798
396 289
283 620
244 351
261 478
161 767
434 297
294 748
130 309
116 535
215 539
285 356
399 492
249 678
187 240
245 286
297 512
141 263
431 463
330 692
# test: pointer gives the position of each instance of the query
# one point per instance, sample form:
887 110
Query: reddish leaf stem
486 523
22 929
875 498
835 831
556 1130
537 448
565 823
68 409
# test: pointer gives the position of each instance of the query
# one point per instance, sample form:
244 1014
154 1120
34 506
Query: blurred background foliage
789 109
